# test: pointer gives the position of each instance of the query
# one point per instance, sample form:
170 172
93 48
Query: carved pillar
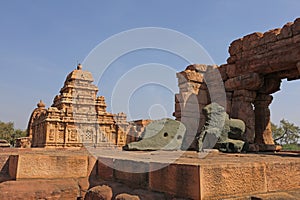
262 119
65 139
242 108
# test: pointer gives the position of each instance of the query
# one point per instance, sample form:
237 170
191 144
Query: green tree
286 133
9 133
17 134
6 130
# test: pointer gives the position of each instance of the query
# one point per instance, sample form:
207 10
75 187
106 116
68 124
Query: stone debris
220 131
102 192
125 196
164 134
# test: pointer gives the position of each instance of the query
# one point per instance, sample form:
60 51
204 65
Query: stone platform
25 173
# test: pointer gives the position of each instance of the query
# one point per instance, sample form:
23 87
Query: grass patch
291 147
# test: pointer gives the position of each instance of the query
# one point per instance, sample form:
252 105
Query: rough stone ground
282 185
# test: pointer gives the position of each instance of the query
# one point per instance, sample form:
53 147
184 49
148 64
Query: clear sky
41 42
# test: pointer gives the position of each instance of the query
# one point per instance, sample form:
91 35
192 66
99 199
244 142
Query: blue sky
41 42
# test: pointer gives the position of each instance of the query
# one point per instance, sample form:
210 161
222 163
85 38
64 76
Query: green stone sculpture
164 134
221 132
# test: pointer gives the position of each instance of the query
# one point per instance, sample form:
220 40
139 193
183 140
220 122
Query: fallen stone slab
164 134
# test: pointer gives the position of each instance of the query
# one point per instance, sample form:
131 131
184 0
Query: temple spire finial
41 104
79 66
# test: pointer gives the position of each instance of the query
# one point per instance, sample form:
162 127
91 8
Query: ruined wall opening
285 103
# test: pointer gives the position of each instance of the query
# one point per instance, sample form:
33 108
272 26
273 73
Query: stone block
197 67
296 27
221 180
271 85
231 59
133 173
190 87
283 175
222 70
277 46
236 47
105 169
40 189
102 192
188 75
176 179
271 35
244 93
286 31
252 81
231 70
25 166
296 38
251 40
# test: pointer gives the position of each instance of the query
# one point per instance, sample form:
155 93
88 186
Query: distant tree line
9 133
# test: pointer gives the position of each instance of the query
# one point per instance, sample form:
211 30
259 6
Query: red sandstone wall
254 70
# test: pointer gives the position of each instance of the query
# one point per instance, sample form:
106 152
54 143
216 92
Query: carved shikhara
77 117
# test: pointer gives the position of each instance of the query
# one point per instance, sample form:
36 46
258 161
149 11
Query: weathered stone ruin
77 116
244 85
220 131
164 134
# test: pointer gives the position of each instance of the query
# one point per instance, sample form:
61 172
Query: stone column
187 108
263 132
242 108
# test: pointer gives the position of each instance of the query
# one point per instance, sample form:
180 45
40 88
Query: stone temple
77 116
243 86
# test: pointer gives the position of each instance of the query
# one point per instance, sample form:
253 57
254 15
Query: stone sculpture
164 134
220 131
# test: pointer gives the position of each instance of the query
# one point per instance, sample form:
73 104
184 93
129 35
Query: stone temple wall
77 117
257 64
